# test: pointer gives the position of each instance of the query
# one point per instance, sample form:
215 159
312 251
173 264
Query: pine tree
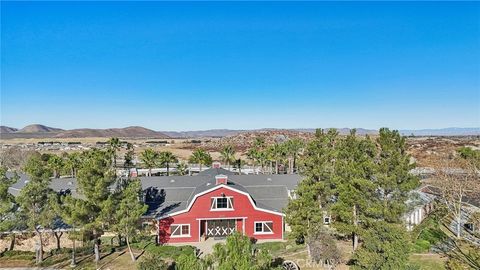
352 186
392 177
74 212
95 178
129 209
385 246
10 217
34 200
312 197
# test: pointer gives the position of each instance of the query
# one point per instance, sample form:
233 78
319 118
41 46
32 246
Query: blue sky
187 66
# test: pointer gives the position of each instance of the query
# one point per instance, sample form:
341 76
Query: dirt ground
426 151
27 243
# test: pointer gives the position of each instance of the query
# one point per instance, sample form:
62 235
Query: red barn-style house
216 203
212 204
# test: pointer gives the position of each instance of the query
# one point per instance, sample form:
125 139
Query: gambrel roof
269 192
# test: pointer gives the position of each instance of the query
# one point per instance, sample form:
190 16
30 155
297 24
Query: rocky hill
5 129
128 132
36 128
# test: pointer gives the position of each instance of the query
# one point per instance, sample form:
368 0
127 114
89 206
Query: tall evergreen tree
129 209
34 200
352 186
392 177
386 246
10 217
95 178
74 212
312 197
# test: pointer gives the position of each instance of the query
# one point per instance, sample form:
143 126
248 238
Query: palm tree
262 159
270 156
238 164
167 157
228 155
293 147
129 157
72 161
114 144
149 158
259 143
56 164
201 157
182 168
278 152
252 154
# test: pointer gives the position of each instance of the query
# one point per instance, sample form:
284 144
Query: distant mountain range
41 131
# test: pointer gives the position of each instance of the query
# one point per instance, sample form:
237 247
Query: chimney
216 165
221 179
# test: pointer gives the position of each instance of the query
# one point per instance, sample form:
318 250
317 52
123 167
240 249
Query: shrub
421 246
151 261
171 252
19 255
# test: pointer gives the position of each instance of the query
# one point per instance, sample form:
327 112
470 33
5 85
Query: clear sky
188 66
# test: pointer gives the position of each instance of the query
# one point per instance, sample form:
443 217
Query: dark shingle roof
268 191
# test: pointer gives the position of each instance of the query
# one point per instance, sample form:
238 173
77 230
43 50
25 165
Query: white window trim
329 219
229 202
262 222
179 228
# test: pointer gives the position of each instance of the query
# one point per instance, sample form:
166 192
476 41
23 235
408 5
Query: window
222 203
180 230
263 227
326 220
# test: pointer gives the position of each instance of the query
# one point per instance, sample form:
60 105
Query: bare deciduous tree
457 180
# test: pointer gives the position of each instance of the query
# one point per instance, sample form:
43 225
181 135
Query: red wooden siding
243 209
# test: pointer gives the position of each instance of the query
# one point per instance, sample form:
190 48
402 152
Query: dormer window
221 203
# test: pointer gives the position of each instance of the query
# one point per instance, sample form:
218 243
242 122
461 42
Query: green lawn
428 261
428 234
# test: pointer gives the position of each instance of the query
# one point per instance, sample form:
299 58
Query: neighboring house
470 205
419 205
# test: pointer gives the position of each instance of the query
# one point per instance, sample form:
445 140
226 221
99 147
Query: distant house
419 205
